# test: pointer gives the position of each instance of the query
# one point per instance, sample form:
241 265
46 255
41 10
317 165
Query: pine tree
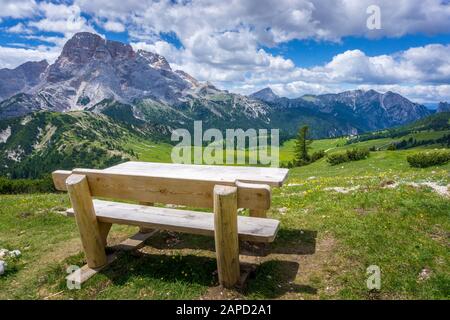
302 143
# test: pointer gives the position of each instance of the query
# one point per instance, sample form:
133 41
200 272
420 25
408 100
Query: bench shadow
275 278
167 268
295 241
288 241
269 280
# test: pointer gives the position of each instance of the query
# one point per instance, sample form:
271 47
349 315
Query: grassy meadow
335 222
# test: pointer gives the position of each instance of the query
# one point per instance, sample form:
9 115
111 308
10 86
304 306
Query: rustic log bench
95 217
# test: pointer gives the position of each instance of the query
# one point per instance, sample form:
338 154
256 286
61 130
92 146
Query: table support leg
225 235
91 238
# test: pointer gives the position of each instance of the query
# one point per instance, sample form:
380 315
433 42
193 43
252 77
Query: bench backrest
188 192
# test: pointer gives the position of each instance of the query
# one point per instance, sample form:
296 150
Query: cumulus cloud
223 41
19 28
61 18
429 64
275 21
416 93
114 26
12 57
17 8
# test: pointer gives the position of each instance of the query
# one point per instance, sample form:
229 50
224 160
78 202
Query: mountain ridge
140 87
380 110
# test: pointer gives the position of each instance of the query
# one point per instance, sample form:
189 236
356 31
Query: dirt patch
440 235
219 293
388 184
365 211
424 274
24 215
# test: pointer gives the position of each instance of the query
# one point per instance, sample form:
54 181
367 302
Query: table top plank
224 174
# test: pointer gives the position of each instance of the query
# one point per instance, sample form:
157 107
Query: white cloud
416 93
114 26
427 64
19 28
222 41
17 8
61 18
275 21
12 57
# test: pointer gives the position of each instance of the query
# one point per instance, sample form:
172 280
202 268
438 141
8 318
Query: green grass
147 150
326 241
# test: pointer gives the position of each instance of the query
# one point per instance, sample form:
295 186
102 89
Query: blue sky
308 53
293 46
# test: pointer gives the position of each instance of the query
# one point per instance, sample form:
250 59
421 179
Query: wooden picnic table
222 188
274 177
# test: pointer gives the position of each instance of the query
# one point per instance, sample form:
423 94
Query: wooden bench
95 217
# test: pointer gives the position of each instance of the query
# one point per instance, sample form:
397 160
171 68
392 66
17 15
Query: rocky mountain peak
265 94
85 46
25 76
154 60
443 107
188 77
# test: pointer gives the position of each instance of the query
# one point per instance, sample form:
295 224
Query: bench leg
143 229
91 237
104 228
226 235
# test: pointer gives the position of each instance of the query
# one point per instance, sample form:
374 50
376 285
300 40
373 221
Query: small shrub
314 157
350 155
392 147
317 155
17 186
429 158
357 154
287 164
337 158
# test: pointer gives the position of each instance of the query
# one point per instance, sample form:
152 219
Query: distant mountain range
140 88
443 107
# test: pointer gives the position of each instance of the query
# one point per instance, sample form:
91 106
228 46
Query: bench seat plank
249 228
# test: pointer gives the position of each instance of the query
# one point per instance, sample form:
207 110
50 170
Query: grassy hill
35 145
432 130
335 222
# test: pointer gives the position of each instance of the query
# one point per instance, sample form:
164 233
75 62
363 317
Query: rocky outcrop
21 79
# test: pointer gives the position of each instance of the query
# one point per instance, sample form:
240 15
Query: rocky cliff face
91 69
20 79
